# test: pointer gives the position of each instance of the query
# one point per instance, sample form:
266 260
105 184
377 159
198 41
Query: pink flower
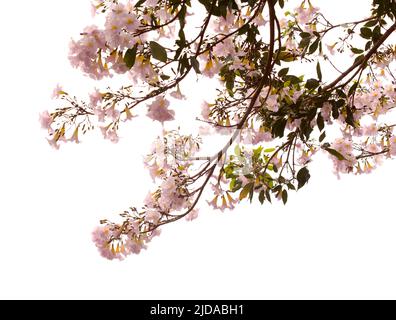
95 97
151 3
373 148
272 103
83 53
171 197
330 48
152 216
225 48
110 134
177 94
291 44
259 20
101 236
93 10
326 111
53 143
296 95
212 66
224 25
149 200
192 215
213 202
113 113
116 61
261 136
74 137
58 92
205 111
158 110
243 179
143 70
392 146
225 204
134 246
154 170
237 64
100 113
45 120
305 15
370 130
304 158
345 147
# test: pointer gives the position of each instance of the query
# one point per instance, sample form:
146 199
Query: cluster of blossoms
280 120
100 50
169 163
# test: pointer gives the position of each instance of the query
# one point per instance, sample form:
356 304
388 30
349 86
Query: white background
334 239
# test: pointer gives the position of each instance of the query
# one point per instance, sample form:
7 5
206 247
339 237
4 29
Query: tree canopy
276 119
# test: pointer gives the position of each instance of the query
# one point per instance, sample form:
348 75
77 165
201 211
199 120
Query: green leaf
366 33
158 52
335 153
286 56
262 196
376 33
371 23
195 65
182 38
283 72
244 29
278 128
130 57
341 93
359 59
293 79
319 71
306 128
269 150
257 152
320 122
268 195
304 43
357 51
314 46
305 35
139 3
183 63
291 186
312 84
349 118
352 89
237 150
246 190
303 177
335 111
322 136
284 196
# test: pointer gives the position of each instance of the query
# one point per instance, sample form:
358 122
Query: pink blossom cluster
100 50
115 243
85 53
158 110
345 148
169 151
305 13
